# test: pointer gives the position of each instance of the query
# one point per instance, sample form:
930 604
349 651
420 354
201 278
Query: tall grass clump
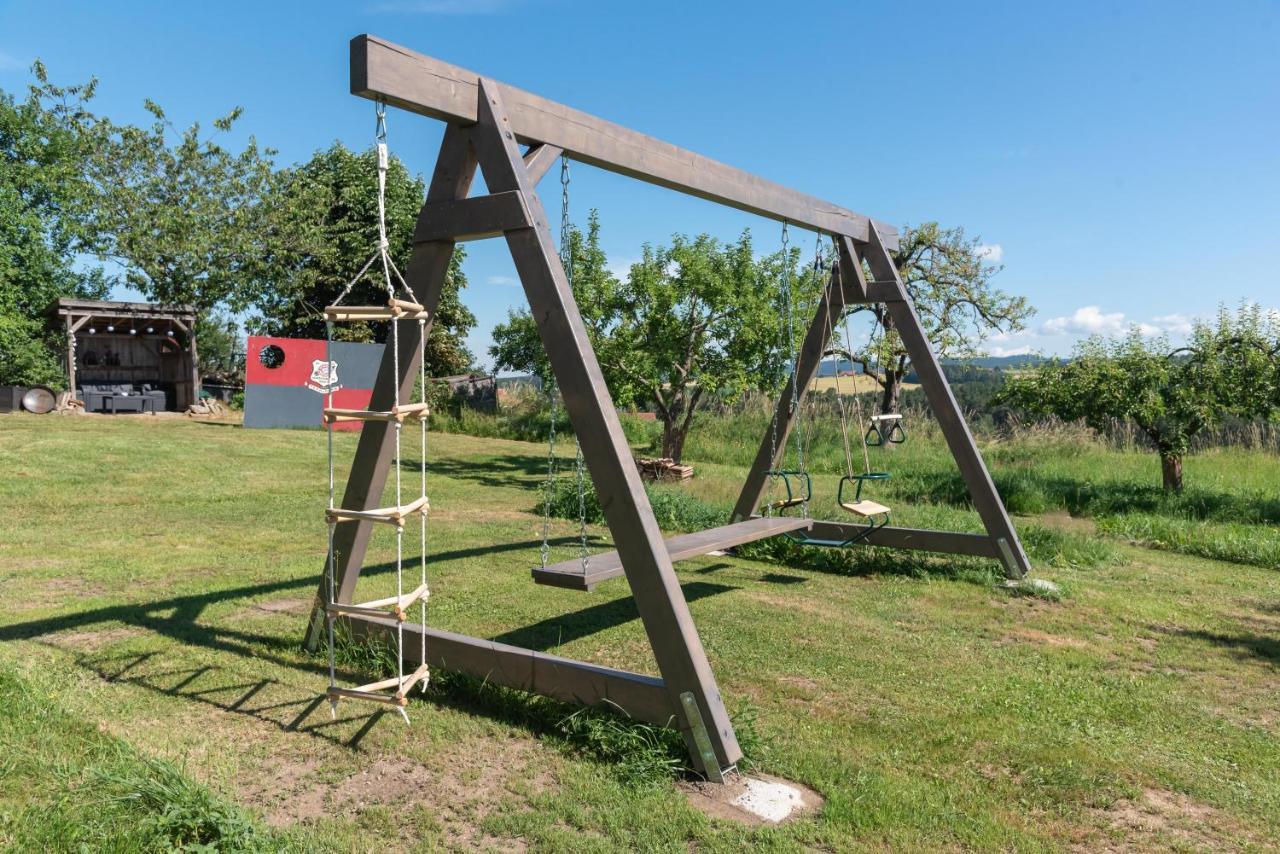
1256 545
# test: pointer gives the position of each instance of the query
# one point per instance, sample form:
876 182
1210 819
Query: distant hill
1025 360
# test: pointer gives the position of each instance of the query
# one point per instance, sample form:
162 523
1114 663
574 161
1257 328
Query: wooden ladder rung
371 696
395 309
390 515
377 607
413 679
395 413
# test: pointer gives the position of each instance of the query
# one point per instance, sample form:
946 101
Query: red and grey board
289 388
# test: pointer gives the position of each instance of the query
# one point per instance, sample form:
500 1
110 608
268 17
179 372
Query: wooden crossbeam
602 567
475 218
642 697
432 87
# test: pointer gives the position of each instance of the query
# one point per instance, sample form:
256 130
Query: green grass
153 689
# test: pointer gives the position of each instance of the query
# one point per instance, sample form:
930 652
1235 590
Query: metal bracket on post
693 717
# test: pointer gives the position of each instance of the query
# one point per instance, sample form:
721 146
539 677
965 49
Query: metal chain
548 491
566 261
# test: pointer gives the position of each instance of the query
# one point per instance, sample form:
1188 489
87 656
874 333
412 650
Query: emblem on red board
324 376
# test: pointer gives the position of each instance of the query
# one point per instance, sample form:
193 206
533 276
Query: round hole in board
271 356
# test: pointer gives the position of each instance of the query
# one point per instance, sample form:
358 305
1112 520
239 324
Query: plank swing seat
602 567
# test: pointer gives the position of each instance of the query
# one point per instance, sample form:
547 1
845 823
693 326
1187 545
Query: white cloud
1010 351
1087 320
1174 324
508 281
992 252
442 7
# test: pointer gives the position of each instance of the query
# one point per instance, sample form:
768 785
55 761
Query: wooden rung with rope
360 313
336 694
398 605
396 413
390 515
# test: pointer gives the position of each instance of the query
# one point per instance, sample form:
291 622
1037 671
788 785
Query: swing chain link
566 261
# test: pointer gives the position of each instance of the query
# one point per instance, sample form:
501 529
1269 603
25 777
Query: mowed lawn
157 575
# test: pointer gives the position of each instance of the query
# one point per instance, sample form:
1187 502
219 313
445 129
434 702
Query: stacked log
663 468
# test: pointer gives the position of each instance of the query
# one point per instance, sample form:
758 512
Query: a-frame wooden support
485 124
849 286
686 696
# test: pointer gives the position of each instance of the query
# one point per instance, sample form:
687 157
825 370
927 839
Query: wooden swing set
486 125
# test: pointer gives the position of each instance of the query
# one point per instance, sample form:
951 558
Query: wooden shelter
130 352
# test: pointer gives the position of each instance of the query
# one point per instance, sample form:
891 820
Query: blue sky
1122 160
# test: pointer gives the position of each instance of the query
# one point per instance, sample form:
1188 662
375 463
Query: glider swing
797 482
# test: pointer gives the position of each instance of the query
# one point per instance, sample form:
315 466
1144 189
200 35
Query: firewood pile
663 468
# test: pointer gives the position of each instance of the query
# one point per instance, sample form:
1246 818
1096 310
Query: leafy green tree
325 215
949 279
182 214
694 319
43 152
1228 368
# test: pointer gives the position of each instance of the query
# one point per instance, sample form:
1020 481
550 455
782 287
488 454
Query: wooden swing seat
864 508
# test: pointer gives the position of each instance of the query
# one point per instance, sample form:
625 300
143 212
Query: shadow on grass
178 618
1244 645
494 470
555 631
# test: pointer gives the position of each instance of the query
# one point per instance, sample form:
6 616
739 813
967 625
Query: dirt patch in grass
1039 637
459 788
1160 820
1061 520
717 799
92 641
53 593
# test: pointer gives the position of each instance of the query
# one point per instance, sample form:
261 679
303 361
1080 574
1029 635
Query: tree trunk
674 432
891 392
1171 470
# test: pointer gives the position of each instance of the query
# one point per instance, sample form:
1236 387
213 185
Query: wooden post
658 596
945 409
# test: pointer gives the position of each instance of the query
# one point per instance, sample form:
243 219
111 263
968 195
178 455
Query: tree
949 279
694 319
1229 368
325 212
43 152
182 214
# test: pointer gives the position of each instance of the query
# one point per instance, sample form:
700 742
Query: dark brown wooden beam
982 490
945 542
659 599
431 87
476 218
539 159
642 697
